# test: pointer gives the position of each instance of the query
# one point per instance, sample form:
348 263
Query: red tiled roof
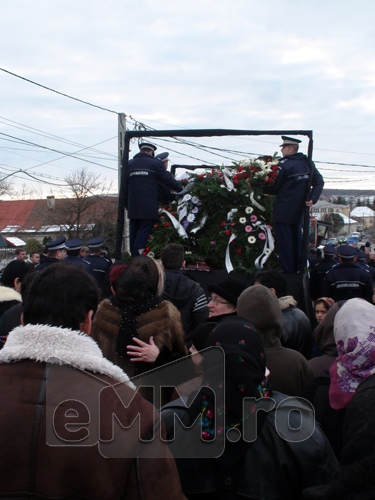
15 213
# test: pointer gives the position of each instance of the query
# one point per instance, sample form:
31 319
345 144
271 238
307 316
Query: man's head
224 296
61 296
289 146
73 247
148 148
347 253
57 249
35 258
84 252
96 245
329 251
172 256
14 274
21 254
164 158
273 280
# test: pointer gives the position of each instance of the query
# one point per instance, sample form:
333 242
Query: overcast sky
240 64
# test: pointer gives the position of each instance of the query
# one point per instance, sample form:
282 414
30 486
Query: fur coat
163 322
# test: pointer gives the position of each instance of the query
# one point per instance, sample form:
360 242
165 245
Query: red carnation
156 225
239 250
240 169
227 233
222 223
270 180
235 181
201 176
166 224
274 167
147 249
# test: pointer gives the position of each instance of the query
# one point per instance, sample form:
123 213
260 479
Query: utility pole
121 135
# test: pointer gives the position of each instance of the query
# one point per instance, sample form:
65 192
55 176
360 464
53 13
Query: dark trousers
289 245
140 230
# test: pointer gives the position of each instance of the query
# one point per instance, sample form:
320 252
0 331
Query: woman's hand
143 352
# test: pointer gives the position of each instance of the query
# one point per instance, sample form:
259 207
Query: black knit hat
230 289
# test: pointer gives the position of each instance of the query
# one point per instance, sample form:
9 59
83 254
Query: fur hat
261 307
229 289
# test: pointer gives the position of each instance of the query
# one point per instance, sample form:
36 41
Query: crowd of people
275 394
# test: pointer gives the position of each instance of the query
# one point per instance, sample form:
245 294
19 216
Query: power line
57 92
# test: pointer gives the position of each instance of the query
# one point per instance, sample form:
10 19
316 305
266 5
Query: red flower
164 208
156 225
270 180
254 169
239 250
201 176
219 174
150 237
166 224
222 223
209 175
274 167
173 214
147 249
232 223
227 233
144 253
240 169
235 181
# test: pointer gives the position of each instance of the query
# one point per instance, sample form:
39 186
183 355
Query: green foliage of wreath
223 213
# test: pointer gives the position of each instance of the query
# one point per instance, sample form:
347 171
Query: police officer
142 193
290 188
319 271
166 195
348 279
361 259
73 248
56 252
99 265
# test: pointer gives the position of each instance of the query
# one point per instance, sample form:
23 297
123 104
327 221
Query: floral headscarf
354 331
245 374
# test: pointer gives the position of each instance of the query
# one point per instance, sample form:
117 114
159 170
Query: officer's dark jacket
141 181
317 276
290 188
347 280
99 267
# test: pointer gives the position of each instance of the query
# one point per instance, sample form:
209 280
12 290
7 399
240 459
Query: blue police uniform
290 188
99 265
141 182
58 244
72 248
347 280
319 271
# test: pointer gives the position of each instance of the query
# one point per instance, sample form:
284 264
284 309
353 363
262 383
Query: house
364 215
46 220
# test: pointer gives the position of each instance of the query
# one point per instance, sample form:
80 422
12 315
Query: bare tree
5 184
78 210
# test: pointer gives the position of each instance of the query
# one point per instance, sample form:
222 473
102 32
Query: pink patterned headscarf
354 331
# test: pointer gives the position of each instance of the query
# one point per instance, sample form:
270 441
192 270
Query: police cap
289 141
74 244
57 244
346 251
147 145
95 242
329 250
162 156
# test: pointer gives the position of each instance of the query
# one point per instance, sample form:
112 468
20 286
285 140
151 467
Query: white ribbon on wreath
182 211
202 223
269 245
181 231
227 174
254 202
228 262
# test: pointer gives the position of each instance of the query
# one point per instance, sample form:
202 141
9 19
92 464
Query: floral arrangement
224 217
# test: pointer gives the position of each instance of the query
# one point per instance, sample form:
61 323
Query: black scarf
128 326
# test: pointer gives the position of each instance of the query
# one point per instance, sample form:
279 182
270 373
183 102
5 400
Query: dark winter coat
269 468
296 333
189 298
141 182
39 454
290 188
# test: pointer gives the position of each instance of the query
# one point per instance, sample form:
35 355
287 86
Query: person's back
186 294
55 375
290 372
